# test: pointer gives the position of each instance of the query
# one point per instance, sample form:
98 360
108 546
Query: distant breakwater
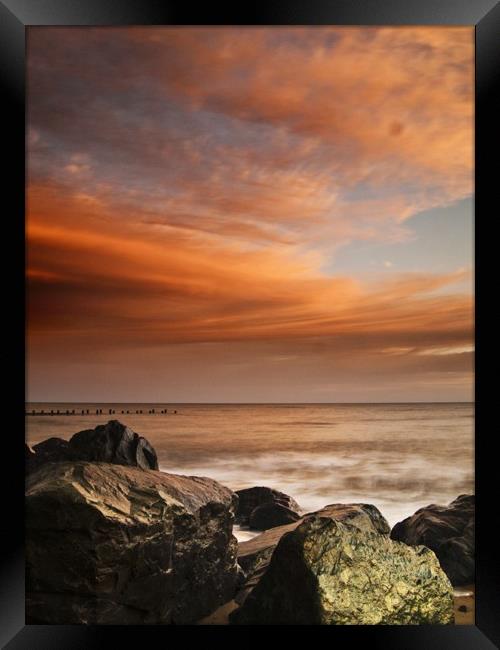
100 412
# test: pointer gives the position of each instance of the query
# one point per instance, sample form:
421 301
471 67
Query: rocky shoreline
110 539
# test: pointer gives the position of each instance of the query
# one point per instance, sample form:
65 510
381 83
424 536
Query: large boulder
270 515
52 450
113 443
49 451
53 447
446 530
107 443
328 572
108 544
251 498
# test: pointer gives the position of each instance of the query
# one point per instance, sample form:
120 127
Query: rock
261 546
48 451
52 450
328 572
446 530
257 550
251 498
109 544
255 555
113 443
364 516
109 443
270 515
52 447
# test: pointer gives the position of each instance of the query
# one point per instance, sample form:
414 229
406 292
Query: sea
398 457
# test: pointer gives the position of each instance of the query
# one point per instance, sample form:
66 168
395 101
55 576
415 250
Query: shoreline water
400 457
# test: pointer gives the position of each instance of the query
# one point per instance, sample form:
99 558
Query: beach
465 605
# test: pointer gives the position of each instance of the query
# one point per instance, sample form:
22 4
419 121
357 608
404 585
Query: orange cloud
400 97
188 188
322 134
164 289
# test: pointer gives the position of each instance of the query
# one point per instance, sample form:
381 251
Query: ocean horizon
32 404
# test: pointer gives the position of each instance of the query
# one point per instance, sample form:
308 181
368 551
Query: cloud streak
168 290
290 128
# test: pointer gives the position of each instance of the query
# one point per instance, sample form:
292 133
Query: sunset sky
250 214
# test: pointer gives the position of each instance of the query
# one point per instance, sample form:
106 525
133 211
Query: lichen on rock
333 573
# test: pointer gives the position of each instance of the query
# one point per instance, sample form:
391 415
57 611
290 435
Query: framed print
253 251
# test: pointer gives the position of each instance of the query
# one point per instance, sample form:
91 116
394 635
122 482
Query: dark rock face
270 515
108 544
52 450
107 443
52 447
49 451
113 443
251 498
446 530
330 573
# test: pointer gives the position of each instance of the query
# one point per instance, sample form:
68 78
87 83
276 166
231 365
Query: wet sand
465 604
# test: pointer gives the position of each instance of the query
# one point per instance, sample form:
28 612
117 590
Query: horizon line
251 403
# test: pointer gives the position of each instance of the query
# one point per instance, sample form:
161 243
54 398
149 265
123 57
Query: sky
250 214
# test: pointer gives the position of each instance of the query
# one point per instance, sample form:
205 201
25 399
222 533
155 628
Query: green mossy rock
330 573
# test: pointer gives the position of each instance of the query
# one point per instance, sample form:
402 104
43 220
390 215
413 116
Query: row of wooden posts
98 412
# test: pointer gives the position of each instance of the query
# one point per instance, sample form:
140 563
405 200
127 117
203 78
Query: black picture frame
15 17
